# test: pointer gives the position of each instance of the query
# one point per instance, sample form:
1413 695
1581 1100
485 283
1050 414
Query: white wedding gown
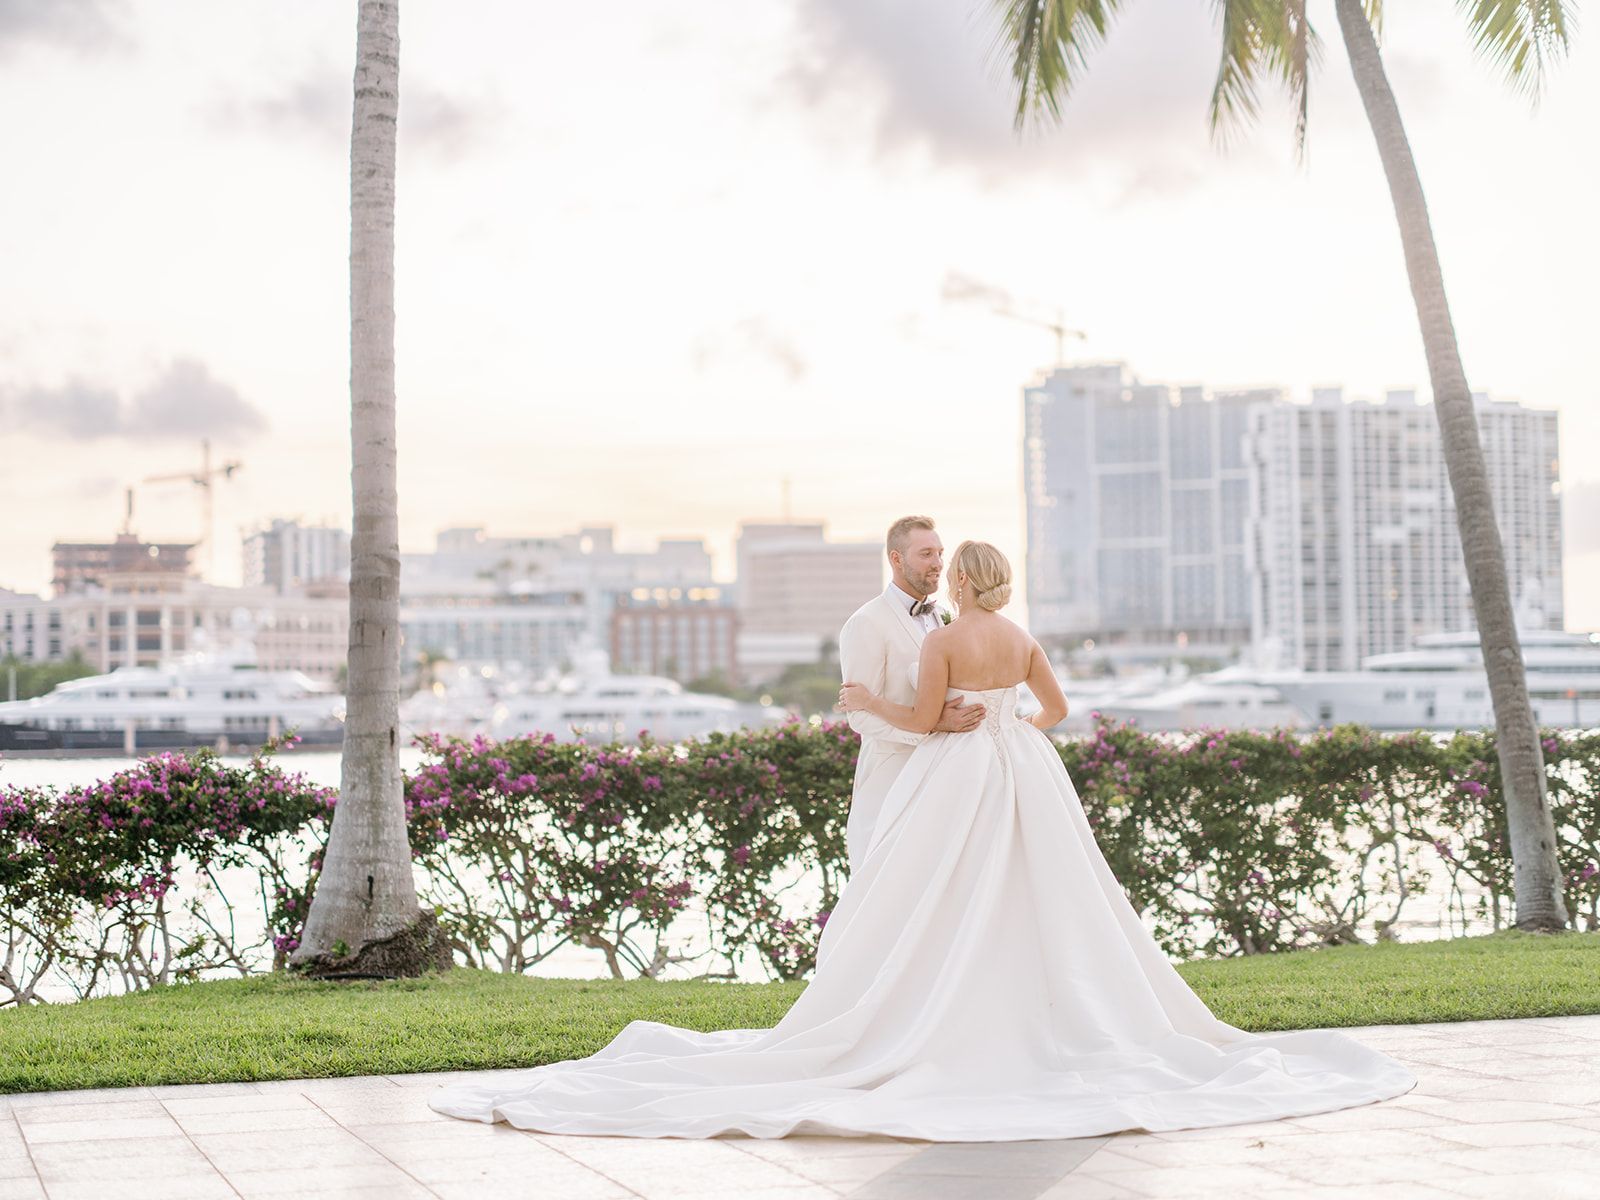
982 977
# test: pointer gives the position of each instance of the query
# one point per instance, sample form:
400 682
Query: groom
878 647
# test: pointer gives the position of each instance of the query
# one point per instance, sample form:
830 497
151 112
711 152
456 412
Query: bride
982 976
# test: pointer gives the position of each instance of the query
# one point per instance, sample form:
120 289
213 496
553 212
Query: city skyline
653 316
722 546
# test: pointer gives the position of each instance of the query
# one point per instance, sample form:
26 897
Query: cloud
188 401
76 24
318 107
931 82
445 125
77 409
185 402
751 339
965 289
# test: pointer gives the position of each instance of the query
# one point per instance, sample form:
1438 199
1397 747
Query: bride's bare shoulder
1025 643
1016 630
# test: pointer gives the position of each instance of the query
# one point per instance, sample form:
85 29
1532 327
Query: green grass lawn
276 1027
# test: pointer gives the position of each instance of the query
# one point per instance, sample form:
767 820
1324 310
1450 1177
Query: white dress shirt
928 620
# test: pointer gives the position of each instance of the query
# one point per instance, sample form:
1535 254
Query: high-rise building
1354 547
1168 522
287 555
1136 497
792 580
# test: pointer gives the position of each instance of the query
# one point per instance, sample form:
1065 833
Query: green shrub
1228 843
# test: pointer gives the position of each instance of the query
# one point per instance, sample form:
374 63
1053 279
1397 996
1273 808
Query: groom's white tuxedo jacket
879 646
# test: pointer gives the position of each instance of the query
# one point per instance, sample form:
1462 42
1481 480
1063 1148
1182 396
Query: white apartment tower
1353 542
1137 497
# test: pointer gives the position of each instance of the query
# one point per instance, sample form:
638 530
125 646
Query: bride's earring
961 590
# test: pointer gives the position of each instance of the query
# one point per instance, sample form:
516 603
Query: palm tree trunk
1532 829
364 918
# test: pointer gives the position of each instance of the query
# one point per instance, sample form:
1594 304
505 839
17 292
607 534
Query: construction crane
204 480
1057 327
965 289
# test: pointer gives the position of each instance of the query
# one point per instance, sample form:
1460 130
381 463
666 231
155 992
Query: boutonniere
944 616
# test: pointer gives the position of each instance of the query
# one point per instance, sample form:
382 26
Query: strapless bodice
999 704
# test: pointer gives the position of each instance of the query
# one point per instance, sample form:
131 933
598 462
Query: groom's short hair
900 532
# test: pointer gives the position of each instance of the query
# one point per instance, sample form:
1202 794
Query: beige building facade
792 580
143 620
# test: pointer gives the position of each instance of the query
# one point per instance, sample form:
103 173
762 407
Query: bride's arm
1046 690
933 679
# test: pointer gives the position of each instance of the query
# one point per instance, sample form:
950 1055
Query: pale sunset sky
654 259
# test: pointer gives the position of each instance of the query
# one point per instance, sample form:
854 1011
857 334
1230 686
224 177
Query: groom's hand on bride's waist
959 717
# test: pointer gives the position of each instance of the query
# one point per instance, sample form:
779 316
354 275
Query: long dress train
982 977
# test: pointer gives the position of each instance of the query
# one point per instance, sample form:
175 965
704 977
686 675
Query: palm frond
1303 50
1047 43
1263 39
1519 36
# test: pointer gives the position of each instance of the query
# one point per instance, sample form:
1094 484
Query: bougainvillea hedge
690 858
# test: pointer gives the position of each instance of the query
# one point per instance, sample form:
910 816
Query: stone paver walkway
1504 1109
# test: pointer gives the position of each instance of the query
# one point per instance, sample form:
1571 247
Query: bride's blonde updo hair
988 575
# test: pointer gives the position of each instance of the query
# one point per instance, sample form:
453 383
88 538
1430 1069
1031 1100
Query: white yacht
456 701
1088 695
1440 684
593 705
196 700
1232 698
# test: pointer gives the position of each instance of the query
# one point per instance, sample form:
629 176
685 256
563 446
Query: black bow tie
918 607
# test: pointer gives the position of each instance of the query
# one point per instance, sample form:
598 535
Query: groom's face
922 561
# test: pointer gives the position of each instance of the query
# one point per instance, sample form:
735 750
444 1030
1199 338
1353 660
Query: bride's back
986 650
